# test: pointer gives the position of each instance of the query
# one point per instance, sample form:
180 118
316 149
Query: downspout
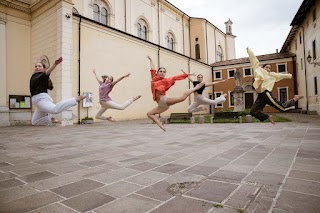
215 58
189 55
183 34
207 42
189 38
215 45
158 33
125 15
305 68
295 89
79 76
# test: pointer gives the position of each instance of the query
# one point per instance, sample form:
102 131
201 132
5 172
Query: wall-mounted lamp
309 60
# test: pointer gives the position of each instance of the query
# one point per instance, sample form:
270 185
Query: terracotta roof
266 57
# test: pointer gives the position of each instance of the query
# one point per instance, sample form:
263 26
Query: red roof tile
266 57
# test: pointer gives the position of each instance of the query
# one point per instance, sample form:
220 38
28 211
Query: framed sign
19 102
87 102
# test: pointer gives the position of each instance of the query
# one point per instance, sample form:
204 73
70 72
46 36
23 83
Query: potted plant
87 120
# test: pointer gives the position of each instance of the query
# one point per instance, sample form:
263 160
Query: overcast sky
263 25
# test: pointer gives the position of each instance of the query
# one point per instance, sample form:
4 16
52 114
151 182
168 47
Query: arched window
197 48
170 41
144 32
104 16
139 30
219 54
142 29
96 12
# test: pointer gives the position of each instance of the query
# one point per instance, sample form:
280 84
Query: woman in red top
159 86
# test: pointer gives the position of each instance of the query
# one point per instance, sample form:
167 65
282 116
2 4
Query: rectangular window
314 15
231 99
231 73
217 75
296 44
283 94
218 94
314 55
282 67
247 72
301 64
315 85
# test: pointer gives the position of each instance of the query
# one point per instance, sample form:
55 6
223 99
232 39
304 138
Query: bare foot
162 127
136 98
80 98
224 94
271 119
110 119
55 121
298 97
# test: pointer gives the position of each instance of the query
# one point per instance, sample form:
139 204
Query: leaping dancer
159 86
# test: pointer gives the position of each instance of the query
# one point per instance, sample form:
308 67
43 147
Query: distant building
304 41
282 90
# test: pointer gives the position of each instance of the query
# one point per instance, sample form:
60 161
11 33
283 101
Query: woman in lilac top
106 86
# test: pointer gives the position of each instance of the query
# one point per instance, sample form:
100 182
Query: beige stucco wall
197 29
116 54
17 40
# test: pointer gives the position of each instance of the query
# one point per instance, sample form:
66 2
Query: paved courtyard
134 167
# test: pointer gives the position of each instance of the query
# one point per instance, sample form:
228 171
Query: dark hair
199 75
263 66
161 68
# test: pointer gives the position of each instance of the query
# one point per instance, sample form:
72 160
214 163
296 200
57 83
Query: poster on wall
87 102
19 102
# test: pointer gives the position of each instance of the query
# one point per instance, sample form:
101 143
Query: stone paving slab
133 166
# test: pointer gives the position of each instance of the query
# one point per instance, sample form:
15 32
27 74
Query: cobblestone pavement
134 167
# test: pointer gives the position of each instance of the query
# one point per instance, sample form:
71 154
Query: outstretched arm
151 63
189 74
50 69
216 82
94 71
119 79
253 59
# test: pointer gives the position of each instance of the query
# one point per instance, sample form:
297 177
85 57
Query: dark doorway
248 100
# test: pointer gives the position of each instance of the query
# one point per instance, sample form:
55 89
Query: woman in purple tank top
106 86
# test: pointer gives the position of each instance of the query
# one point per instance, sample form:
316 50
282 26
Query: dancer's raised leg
174 100
152 115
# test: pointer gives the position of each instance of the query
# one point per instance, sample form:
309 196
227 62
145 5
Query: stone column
64 49
4 109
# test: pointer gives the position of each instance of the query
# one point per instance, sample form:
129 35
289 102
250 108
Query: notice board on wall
19 102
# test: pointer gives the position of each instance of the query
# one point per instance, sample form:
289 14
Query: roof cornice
18 5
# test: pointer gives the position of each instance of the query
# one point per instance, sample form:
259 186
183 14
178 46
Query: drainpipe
158 33
183 34
189 38
207 42
305 68
125 15
79 76
295 89
215 46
